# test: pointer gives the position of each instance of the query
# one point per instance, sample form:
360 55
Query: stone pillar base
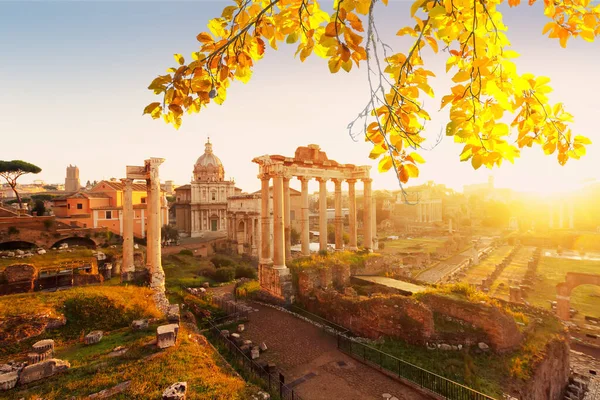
276 281
127 276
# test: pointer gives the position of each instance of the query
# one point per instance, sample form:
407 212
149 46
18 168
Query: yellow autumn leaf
179 58
411 170
385 164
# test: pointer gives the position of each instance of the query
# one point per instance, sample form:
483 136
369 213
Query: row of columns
428 211
561 213
281 217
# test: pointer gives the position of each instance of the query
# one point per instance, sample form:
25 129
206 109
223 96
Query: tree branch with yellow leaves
486 85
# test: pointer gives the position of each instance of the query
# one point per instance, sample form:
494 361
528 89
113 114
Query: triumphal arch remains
308 163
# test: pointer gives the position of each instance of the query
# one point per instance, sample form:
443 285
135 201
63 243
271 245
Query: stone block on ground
205 285
107 393
225 333
34 358
241 328
173 314
255 353
235 336
118 351
176 391
139 324
9 380
42 370
43 345
263 346
483 346
248 342
166 335
93 337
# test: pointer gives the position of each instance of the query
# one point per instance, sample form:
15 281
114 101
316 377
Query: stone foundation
42 370
277 282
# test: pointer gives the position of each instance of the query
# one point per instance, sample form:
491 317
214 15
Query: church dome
208 167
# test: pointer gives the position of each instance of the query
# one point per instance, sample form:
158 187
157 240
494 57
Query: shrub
225 274
48 223
245 272
98 312
247 289
207 270
186 252
12 230
221 261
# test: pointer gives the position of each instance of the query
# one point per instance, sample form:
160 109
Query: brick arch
77 240
17 244
564 289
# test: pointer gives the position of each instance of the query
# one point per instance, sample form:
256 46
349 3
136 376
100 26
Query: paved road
302 350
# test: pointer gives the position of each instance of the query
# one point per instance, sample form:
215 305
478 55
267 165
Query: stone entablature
308 163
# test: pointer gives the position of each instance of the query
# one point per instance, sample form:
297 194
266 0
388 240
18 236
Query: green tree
39 208
294 236
12 170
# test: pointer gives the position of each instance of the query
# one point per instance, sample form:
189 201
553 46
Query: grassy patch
480 271
149 370
552 271
428 245
51 259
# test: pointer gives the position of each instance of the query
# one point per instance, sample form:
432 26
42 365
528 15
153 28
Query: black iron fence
424 379
269 380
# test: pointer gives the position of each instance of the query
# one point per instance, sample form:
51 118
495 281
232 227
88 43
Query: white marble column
265 216
287 218
305 236
367 208
322 214
352 216
571 215
339 240
278 221
128 267
561 216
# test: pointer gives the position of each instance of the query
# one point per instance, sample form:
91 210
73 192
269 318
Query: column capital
321 180
337 181
127 181
264 176
366 180
154 162
351 181
303 178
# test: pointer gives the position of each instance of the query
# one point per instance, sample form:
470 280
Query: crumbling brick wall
501 328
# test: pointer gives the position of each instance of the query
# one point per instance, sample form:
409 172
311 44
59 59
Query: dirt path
312 364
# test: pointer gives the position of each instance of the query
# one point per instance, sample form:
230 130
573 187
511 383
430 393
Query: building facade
72 183
102 207
201 206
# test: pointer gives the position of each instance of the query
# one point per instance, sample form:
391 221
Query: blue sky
74 78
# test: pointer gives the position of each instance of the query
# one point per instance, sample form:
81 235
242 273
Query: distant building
72 183
102 207
201 206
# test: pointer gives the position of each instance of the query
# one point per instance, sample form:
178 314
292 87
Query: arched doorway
17 245
564 290
76 241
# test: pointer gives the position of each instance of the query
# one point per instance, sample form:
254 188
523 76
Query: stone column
560 216
374 225
265 217
157 280
322 214
339 226
128 267
287 218
352 216
278 221
149 227
367 224
305 236
571 216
